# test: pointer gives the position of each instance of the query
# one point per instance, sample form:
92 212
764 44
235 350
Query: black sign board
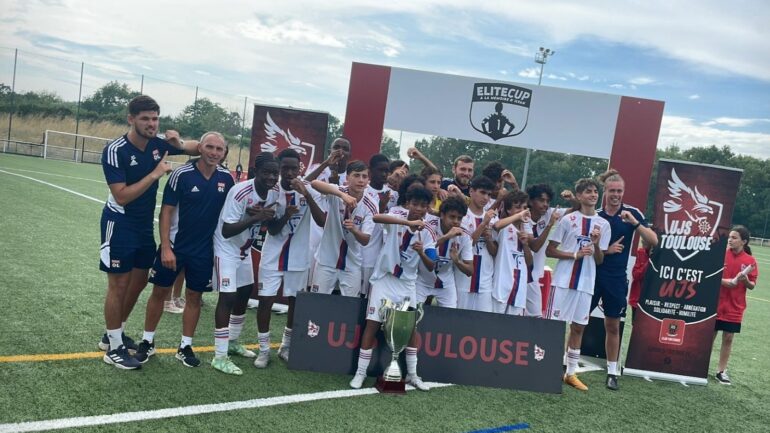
456 346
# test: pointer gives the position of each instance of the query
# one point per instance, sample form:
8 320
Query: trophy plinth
389 387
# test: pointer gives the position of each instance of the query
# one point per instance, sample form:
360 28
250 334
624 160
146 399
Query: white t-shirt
372 250
443 275
289 250
537 228
483 262
511 273
572 232
240 197
339 248
397 256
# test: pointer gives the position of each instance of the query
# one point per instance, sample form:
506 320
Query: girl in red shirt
740 273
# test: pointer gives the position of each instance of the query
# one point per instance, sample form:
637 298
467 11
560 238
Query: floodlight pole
541 57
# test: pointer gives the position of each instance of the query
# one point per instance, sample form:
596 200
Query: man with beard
132 166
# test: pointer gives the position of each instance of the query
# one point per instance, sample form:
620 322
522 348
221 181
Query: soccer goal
67 146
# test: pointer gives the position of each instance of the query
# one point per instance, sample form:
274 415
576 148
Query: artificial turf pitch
52 300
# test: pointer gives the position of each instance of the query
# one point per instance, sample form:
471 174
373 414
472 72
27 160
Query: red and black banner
674 327
455 346
278 128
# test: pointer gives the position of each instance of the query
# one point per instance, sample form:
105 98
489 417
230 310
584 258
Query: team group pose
364 229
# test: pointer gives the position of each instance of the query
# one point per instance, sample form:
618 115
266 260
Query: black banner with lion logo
674 327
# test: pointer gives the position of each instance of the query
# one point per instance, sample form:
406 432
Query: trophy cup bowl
398 324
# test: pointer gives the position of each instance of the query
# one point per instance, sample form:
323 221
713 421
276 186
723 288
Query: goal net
66 146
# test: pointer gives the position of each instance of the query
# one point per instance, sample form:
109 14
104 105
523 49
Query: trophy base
389 387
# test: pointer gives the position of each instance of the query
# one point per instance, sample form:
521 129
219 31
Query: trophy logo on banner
691 219
499 110
398 325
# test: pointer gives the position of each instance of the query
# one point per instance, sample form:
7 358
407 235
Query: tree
389 147
109 102
205 115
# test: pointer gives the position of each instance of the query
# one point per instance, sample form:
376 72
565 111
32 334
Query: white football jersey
397 256
289 250
483 262
443 275
511 273
241 196
372 250
572 232
339 248
538 258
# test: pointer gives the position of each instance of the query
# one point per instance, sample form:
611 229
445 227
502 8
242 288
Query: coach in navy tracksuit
132 166
611 280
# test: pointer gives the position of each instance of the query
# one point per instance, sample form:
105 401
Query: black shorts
733 327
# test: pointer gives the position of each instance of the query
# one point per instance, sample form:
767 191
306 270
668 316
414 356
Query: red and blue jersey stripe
515 288
577 267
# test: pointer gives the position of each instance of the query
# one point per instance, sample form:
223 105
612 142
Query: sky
709 61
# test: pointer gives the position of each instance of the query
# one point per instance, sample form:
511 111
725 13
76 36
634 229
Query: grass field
52 298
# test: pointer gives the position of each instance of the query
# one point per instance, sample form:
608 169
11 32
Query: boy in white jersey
509 292
474 292
453 250
579 242
408 243
384 198
543 219
347 230
285 254
248 205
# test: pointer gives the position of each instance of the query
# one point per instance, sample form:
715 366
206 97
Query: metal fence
74 81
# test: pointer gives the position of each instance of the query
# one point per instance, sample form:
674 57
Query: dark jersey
198 201
615 265
123 162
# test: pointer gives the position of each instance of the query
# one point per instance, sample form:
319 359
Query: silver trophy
398 325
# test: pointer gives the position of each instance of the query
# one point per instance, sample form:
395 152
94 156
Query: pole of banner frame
13 98
541 57
243 128
141 86
77 112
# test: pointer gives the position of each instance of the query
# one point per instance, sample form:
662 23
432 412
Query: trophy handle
420 313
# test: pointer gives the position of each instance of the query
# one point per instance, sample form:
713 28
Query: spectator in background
740 274
637 273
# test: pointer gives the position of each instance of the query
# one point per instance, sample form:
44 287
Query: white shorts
446 297
534 300
568 305
270 281
366 286
230 274
327 276
503 308
475 301
392 288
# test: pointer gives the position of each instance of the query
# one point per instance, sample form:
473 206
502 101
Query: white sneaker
171 307
358 381
252 304
417 382
262 359
283 352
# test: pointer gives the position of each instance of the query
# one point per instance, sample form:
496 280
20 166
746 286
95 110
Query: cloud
694 97
617 86
530 73
556 77
734 122
292 31
686 133
641 81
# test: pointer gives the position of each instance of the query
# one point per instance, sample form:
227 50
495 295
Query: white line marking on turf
58 187
125 417
51 174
